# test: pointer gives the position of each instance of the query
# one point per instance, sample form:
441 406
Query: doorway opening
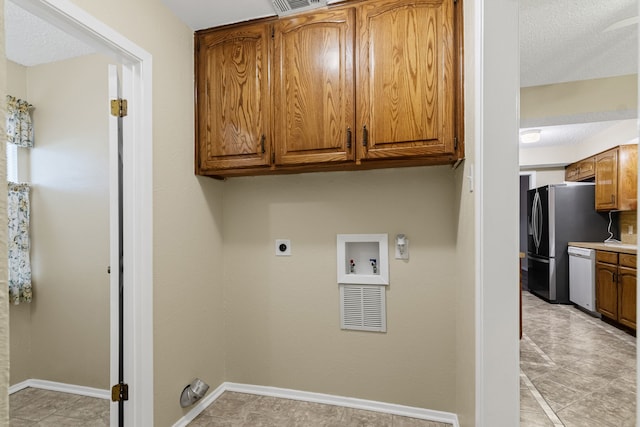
136 202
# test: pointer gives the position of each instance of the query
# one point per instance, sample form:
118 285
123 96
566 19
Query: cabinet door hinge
120 392
365 136
349 137
262 139
273 32
273 157
455 142
119 107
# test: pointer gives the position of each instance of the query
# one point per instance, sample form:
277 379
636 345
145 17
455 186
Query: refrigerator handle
539 222
535 221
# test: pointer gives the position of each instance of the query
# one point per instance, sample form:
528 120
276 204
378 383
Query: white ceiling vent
363 308
288 7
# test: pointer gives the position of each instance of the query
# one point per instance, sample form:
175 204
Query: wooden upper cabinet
406 78
607 179
313 79
616 172
232 114
586 169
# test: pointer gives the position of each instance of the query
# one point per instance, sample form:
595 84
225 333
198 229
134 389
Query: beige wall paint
558 103
4 303
70 222
188 306
283 312
20 315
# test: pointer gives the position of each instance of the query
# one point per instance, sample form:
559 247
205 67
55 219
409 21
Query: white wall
496 115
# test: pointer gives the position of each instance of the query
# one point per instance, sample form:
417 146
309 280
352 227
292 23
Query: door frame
137 202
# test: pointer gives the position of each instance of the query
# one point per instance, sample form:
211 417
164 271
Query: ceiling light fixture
530 136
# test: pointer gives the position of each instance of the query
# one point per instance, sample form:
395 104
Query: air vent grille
287 7
363 308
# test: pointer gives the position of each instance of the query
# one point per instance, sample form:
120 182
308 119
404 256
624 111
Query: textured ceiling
31 41
565 40
560 41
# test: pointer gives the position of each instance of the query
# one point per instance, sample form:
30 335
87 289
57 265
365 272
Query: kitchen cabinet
314 88
357 85
232 98
406 79
584 170
616 287
616 173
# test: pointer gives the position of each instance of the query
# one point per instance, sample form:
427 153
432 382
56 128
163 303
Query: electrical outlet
630 231
283 247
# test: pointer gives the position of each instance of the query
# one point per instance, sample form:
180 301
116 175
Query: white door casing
137 200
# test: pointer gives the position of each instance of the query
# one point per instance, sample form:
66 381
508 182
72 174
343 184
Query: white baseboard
327 399
201 406
61 387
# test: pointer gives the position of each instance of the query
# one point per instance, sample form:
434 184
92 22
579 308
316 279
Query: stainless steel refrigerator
558 214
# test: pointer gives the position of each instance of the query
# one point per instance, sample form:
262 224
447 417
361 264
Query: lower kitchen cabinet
616 287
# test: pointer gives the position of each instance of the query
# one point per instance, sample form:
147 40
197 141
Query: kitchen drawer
628 260
607 257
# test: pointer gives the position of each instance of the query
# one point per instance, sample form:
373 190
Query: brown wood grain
606 290
406 78
627 177
232 98
606 180
586 168
607 257
627 296
314 87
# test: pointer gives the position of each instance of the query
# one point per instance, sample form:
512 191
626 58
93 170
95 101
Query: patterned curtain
18 212
19 127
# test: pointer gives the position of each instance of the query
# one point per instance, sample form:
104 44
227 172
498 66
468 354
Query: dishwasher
582 278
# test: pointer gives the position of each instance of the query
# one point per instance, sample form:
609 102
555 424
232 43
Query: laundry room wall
20 315
69 316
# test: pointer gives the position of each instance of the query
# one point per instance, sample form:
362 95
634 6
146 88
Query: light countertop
612 247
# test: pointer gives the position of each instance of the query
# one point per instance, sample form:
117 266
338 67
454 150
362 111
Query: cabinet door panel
313 88
233 103
607 180
627 296
406 78
606 290
586 169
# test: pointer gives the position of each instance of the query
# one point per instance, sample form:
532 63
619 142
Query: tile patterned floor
575 370
240 410
44 408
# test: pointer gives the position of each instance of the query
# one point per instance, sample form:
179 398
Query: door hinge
273 32
120 392
273 157
262 139
455 142
119 107
365 136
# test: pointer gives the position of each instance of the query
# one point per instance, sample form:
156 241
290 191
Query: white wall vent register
287 7
363 308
